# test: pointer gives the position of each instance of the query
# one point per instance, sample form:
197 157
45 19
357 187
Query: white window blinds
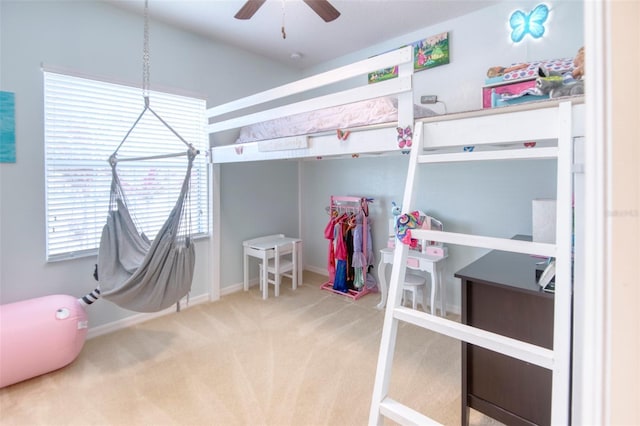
85 120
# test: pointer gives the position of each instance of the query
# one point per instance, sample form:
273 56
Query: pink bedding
373 111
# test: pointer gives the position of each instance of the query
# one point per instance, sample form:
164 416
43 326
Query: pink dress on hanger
329 234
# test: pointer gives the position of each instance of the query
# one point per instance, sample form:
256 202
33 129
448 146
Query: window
85 121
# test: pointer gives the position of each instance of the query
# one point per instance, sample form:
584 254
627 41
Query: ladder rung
504 154
493 243
404 415
505 345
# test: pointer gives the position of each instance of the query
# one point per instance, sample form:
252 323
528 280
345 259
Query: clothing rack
348 221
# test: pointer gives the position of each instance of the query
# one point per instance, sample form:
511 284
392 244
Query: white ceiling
362 23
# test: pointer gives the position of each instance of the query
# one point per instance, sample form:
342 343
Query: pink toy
39 335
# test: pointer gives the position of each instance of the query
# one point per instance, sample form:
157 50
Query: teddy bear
578 64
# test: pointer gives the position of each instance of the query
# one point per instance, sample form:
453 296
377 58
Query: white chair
284 262
413 283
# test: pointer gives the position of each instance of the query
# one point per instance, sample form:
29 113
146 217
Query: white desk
264 248
419 261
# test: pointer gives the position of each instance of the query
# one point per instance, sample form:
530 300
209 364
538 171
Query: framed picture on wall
7 128
427 53
383 74
431 52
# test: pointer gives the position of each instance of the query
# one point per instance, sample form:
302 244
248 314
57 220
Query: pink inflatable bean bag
39 335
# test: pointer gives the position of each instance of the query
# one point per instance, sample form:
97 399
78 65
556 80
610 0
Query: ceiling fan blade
324 9
249 8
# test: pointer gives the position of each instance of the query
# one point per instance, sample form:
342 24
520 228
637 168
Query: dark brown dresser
500 294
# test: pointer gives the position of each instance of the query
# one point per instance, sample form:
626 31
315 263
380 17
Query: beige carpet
307 357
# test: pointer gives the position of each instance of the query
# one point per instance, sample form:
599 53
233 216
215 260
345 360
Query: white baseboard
236 287
142 317
316 270
453 309
225 291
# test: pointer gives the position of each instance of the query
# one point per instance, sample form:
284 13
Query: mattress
357 114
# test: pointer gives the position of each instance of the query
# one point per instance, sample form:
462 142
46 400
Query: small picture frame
383 74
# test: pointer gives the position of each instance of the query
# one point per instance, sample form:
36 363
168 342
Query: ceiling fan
322 7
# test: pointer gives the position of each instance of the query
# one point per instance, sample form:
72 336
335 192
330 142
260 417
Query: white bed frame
363 140
496 134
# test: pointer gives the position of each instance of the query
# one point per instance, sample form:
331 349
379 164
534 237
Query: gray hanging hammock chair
135 273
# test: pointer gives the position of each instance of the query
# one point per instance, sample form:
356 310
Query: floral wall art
427 53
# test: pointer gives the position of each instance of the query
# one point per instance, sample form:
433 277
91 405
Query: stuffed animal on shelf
495 72
396 210
557 85
578 63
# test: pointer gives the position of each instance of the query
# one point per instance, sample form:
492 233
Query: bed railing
400 87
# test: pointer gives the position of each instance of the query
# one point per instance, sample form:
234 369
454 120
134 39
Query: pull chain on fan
284 33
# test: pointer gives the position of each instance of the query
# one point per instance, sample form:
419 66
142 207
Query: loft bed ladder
557 360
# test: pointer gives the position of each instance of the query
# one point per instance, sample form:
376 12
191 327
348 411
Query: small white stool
412 284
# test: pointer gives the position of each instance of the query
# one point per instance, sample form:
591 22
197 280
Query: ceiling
362 23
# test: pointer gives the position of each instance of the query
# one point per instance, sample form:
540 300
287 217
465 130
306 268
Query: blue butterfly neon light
523 24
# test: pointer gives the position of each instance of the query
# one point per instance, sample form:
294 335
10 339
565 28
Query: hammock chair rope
132 271
146 63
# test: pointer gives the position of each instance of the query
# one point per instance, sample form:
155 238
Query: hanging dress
349 224
359 261
329 234
340 279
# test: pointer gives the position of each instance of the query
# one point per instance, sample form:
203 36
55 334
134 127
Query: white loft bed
494 134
